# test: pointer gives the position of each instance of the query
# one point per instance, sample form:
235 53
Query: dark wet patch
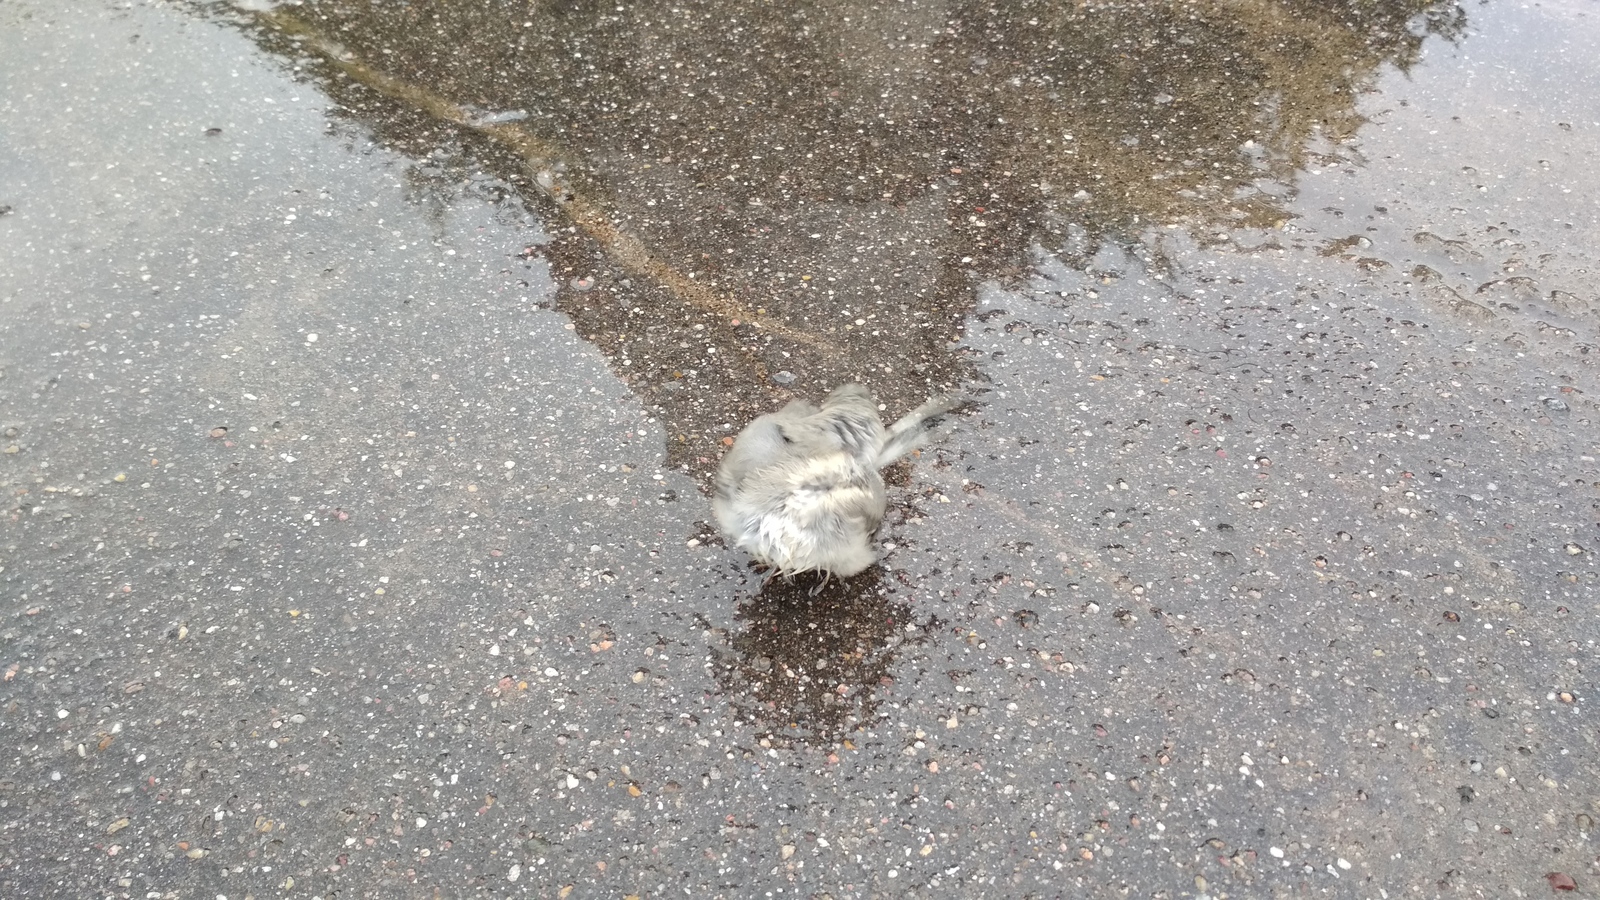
811 668
747 191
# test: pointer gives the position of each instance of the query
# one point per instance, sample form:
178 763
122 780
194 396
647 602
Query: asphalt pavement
363 368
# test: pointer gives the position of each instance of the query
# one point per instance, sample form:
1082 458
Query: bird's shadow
810 667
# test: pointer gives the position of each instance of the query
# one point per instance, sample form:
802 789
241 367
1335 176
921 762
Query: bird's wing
848 421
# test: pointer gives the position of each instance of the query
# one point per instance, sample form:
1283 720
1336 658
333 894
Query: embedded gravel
362 367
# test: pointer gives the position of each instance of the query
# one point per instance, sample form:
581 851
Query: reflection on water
746 198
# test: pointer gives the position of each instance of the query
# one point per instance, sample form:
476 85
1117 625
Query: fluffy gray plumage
800 491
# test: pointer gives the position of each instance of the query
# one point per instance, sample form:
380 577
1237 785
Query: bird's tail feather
912 429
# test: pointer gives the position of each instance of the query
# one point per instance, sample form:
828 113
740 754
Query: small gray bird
800 490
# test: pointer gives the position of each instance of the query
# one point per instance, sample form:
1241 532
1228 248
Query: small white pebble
515 872
1343 863
311 338
511 464
1277 852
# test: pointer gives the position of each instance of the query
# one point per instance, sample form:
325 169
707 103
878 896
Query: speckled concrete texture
363 367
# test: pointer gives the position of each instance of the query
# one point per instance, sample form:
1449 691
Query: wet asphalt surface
362 368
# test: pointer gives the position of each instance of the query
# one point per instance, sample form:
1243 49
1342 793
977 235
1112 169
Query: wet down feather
801 490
